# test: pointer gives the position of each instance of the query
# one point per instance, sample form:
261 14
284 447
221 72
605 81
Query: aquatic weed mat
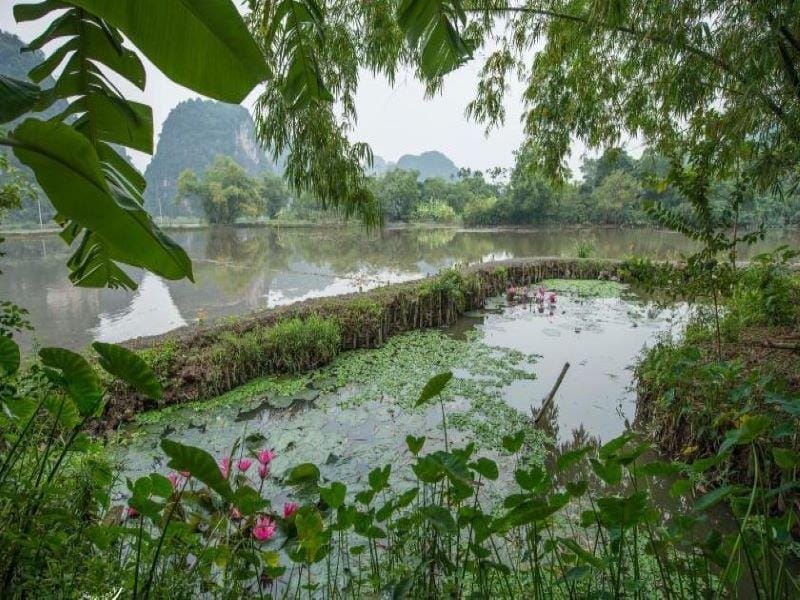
356 412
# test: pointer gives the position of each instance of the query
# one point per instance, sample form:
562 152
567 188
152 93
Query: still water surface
347 430
240 270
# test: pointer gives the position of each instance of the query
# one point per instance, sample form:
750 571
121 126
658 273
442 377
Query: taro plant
459 525
52 483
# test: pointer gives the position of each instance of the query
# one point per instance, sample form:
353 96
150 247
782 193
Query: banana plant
201 44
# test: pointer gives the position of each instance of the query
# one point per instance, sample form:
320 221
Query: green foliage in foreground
732 368
454 525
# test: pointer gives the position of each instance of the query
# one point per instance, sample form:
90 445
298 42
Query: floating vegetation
355 411
242 396
592 288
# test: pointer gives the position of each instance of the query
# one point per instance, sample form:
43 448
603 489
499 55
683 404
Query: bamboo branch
657 38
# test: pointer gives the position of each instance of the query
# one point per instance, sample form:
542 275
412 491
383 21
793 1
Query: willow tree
715 77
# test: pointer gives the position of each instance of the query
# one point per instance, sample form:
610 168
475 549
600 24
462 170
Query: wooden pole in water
549 398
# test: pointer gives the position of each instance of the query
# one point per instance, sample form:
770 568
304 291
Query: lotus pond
356 412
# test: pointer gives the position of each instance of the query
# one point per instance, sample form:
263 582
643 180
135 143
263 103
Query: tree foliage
719 78
722 72
225 193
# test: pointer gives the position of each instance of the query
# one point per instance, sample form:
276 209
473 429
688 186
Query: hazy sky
393 120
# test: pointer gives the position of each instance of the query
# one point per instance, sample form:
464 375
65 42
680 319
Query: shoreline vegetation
390 226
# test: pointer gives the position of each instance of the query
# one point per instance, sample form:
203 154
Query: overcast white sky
393 120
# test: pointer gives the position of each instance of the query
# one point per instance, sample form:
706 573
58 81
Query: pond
240 270
355 414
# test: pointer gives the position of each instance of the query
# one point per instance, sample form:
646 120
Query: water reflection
151 311
600 338
245 269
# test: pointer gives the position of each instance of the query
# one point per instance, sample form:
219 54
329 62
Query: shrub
481 212
436 211
584 249
767 293
288 346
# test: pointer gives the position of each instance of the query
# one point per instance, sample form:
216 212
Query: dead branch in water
548 400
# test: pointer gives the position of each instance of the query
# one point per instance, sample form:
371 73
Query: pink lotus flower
263 471
265 456
264 529
225 467
235 513
132 513
244 464
289 508
174 479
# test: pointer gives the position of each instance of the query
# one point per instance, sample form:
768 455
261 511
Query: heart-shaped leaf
81 382
486 467
434 387
415 443
9 356
199 463
130 367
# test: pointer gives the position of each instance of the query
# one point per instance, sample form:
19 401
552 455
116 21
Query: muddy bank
200 362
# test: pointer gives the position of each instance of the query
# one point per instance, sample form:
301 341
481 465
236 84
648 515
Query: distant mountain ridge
429 165
194 134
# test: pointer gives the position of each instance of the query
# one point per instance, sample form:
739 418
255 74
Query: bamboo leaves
301 22
432 28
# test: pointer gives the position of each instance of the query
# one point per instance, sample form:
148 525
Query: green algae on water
390 377
588 288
